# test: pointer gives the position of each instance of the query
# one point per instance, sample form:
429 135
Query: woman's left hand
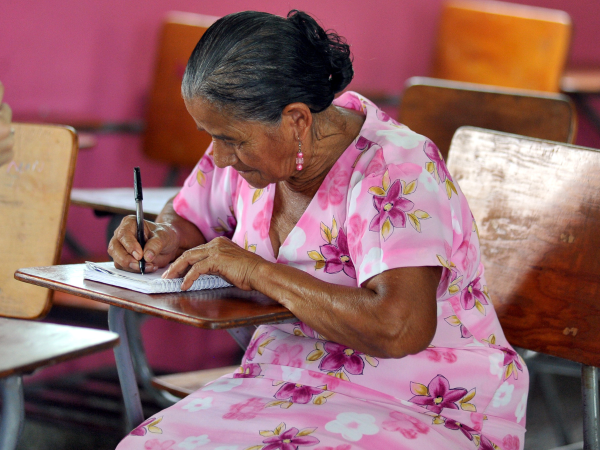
220 257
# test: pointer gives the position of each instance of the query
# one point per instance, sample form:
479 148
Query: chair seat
27 345
183 384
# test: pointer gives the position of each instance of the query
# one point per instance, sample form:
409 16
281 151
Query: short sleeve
207 198
400 215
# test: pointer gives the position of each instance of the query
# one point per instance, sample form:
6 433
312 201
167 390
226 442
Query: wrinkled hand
7 132
219 257
162 245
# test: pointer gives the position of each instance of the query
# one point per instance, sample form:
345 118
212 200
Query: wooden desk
28 345
226 308
121 200
212 309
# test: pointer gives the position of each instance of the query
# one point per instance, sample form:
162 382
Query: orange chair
502 44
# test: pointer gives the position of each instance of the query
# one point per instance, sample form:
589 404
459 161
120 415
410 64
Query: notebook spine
174 285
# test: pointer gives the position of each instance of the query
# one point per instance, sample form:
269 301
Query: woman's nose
222 156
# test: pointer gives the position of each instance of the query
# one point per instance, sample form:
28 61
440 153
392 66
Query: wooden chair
502 44
34 195
537 206
437 108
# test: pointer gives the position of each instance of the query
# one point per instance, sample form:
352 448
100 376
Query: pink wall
94 59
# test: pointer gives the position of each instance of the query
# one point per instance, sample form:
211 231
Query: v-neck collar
346 159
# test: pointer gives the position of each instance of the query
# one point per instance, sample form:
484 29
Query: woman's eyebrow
218 136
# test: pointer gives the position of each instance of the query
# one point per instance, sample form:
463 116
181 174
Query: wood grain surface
183 384
437 108
34 197
211 308
503 44
537 205
27 345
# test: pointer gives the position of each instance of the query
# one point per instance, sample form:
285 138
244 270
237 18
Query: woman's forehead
221 124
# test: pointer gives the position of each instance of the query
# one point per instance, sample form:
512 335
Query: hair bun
332 47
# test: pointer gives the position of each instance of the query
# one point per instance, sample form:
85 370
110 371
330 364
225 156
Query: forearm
368 319
188 234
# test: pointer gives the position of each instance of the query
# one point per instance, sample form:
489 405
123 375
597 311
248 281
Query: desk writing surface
28 345
121 200
211 308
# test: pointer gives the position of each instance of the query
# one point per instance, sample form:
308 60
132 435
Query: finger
153 247
126 235
181 265
135 267
1 92
120 256
162 260
195 271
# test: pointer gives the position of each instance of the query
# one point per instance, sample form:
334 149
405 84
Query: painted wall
94 59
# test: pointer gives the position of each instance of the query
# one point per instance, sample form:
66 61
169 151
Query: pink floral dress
389 201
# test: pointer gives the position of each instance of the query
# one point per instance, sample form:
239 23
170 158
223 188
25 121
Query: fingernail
136 255
134 265
149 255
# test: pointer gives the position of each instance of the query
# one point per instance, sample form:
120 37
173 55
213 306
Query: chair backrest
502 44
171 135
437 108
537 207
34 198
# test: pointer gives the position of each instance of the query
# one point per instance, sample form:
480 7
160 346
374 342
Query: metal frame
591 407
131 359
13 412
129 387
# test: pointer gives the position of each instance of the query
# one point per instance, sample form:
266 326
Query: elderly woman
353 222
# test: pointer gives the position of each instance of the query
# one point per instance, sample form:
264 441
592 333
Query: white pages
150 283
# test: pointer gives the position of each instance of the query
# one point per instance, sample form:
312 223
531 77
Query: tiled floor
39 435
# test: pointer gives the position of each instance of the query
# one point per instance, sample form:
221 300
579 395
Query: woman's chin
254 179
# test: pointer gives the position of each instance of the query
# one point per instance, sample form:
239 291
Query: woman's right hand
162 245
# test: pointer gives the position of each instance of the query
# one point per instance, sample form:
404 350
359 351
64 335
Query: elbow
408 338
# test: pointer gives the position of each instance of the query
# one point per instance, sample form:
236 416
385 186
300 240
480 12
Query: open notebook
150 283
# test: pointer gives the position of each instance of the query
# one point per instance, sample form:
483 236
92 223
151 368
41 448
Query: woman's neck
332 132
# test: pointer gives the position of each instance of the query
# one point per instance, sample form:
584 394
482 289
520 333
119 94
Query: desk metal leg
13 412
140 363
591 408
129 387
242 335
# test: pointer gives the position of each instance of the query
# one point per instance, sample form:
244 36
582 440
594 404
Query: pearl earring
299 156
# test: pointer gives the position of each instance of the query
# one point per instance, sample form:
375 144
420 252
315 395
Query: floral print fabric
388 202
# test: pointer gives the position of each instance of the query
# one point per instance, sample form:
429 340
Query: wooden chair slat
437 108
28 345
537 206
183 384
34 196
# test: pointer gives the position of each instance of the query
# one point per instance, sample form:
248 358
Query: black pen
139 213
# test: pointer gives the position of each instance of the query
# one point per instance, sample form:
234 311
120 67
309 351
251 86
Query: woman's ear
299 118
